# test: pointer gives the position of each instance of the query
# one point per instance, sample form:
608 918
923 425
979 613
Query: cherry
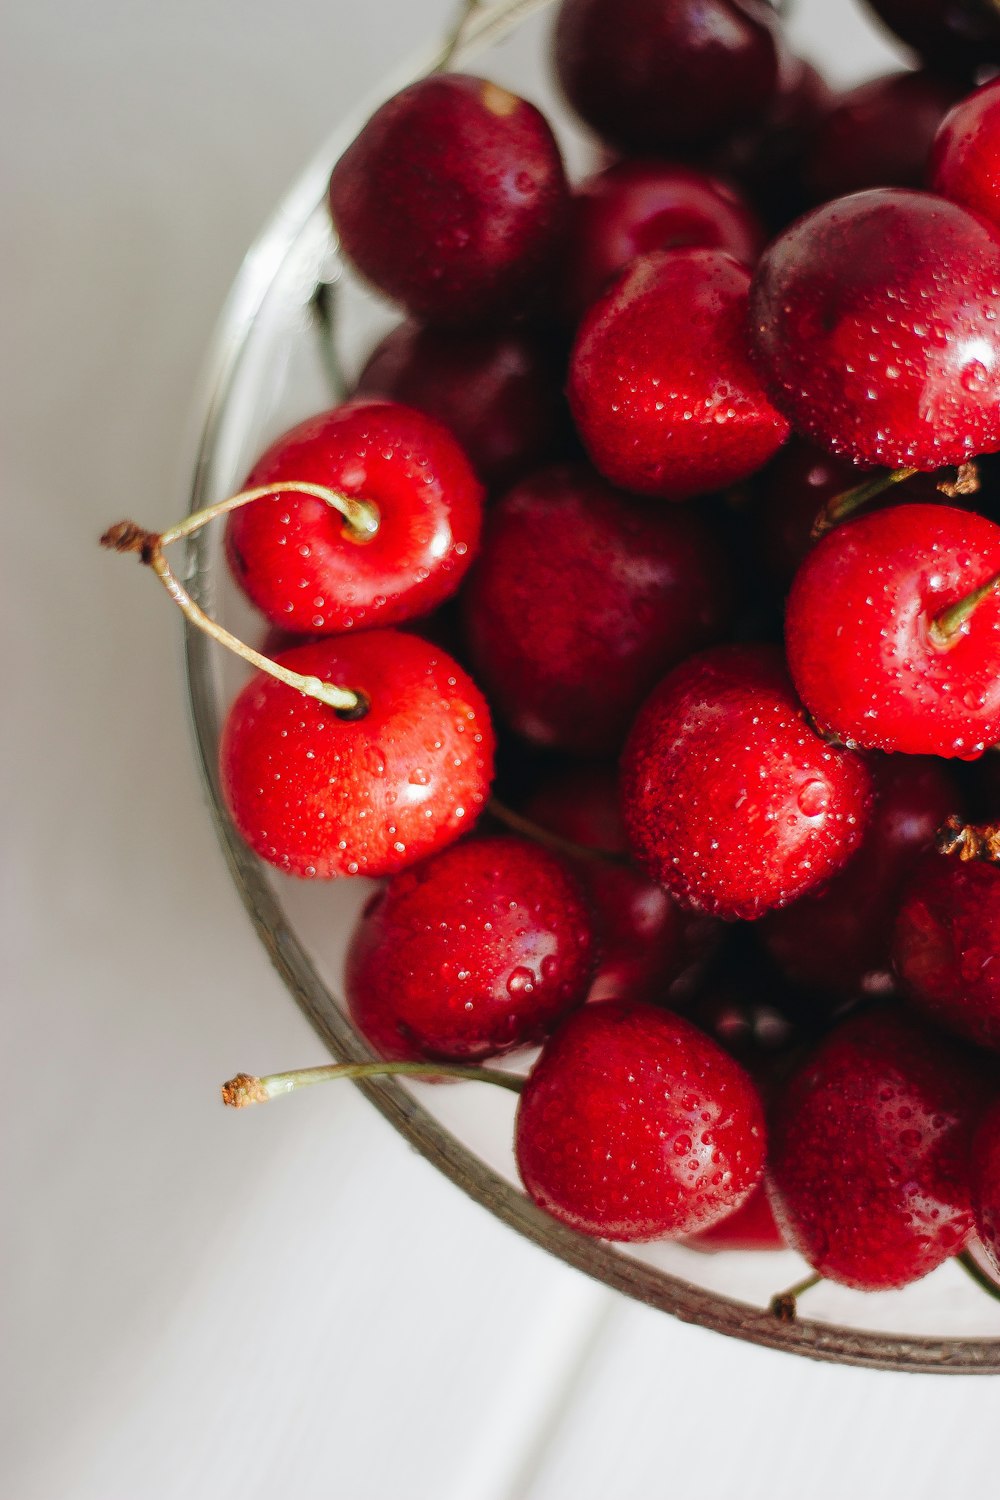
946 945
751 1227
452 200
582 598
498 392
635 1126
868 1167
311 572
986 1183
637 206
661 385
876 325
651 75
792 491
730 798
837 941
881 647
957 35
320 793
965 161
479 949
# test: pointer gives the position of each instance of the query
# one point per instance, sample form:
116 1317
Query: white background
199 1304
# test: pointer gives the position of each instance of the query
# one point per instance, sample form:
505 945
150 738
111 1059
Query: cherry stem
784 1305
848 501
946 627
520 824
970 841
972 1268
457 34
245 1089
362 524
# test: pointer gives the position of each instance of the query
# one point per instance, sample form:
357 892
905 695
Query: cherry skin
791 492
858 632
986 1184
652 75
479 949
660 384
965 161
869 1161
946 946
876 326
751 1227
497 392
582 598
730 799
635 1126
637 206
319 795
297 559
957 35
452 200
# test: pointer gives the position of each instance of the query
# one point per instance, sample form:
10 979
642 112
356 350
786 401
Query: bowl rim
599 1259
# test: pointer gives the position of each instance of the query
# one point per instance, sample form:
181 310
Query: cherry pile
675 488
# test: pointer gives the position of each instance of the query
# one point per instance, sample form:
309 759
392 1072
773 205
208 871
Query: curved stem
970 841
972 1268
532 830
784 1306
946 627
246 1089
848 501
457 34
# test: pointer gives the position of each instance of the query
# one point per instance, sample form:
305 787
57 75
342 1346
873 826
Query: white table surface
200 1304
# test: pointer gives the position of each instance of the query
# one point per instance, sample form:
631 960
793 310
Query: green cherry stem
972 1268
946 627
362 523
784 1305
518 823
848 501
245 1089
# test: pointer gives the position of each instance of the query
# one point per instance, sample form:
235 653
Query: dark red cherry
793 489
661 385
319 795
965 161
863 649
583 597
878 135
947 945
303 565
635 1126
637 206
730 798
652 75
497 392
479 949
452 200
986 1183
751 1227
876 326
956 35
869 1160
837 941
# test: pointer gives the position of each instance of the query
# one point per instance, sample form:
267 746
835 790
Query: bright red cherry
308 570
319 794
876 325
986 1183
651 75
453 199
965 161
869 645
661 385
635 1126
947 945
958 35
497 392
582 599
869 1160
480 949
637 206
730 798
751 1227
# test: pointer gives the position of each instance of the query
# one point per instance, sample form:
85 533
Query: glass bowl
294 332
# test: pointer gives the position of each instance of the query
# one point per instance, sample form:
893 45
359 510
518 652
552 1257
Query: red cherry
986 1183
965 161
582 598
957 35
661 385
730 798
637 206
869 1159
751 1227
300 562
498 392
837 941
862 647
635 1126
876 324
480 949
793 489
947 945
453 199
319 795
649 75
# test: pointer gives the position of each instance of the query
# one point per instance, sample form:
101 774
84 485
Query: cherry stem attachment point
784 1305
362 520
245 1089
972 1268
970 841
848 501
518 823
946 627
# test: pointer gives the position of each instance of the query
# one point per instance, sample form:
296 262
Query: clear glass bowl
276 359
